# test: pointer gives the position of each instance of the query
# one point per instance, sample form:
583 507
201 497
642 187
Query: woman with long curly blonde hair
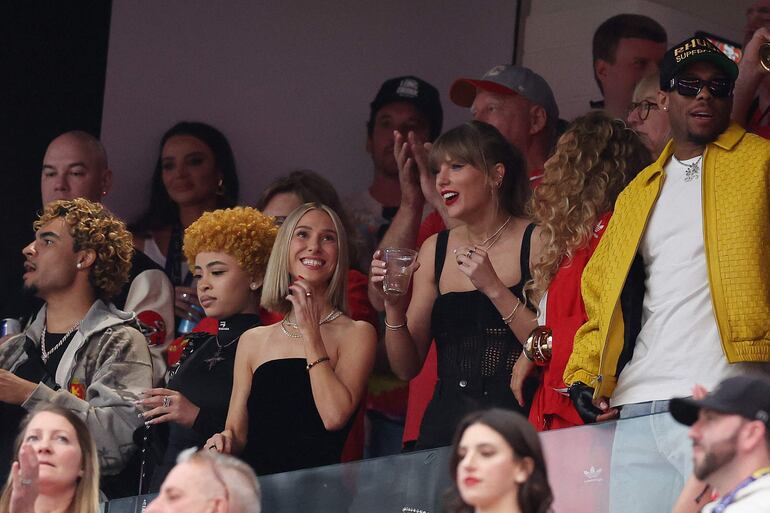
593 161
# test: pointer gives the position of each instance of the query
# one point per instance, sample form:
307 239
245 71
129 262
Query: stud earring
79 265
253 286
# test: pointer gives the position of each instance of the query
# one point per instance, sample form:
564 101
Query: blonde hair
277 276
94 228
244 233
594 160
650 82
86 498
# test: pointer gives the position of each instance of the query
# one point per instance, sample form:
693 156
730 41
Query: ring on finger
469 253
25 481
308 293
212 446
166 401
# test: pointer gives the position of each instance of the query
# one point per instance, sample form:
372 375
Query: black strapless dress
475 355
285 430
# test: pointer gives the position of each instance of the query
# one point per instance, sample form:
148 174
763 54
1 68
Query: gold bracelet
509 318
539 345
320 360
395 327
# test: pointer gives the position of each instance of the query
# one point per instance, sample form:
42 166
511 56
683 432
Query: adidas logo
593 475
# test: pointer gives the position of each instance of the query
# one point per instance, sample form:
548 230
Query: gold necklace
286 322
485 244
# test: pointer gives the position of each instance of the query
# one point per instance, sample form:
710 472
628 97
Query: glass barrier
636 464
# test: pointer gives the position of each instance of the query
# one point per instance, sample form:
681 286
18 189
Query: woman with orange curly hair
228 250
594 160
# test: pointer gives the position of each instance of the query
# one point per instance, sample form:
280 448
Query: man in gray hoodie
80 352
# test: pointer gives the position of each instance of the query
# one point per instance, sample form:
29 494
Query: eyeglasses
643 107
718 87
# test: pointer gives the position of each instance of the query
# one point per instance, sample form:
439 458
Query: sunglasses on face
644 107
718 87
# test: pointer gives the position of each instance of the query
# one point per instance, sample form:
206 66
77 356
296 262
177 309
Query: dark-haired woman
497 465
467 291
195 173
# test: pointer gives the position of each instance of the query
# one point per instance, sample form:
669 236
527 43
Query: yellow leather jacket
736 226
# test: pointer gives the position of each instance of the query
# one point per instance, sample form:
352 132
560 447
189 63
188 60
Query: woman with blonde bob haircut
297 383
56 468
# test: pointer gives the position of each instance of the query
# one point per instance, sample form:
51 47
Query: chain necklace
486 244
218 354
44 353
693 170
286 322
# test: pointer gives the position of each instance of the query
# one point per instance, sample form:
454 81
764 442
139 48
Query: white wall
557 37
289 83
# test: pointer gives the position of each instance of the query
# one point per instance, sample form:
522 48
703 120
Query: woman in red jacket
594 160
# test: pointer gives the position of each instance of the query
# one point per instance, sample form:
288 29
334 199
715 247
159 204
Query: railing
581 471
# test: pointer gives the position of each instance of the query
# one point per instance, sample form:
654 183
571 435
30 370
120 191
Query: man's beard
704 139
720 455
29 290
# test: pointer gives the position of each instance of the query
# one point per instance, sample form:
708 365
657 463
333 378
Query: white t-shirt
754 498
679 344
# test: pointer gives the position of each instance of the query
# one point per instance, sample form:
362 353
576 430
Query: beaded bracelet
320 360
395 327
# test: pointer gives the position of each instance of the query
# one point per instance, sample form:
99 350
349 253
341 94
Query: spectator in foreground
55 465
298 383
594 160
660 316
497 464
626 47
730 435
208 482
228 250
80 352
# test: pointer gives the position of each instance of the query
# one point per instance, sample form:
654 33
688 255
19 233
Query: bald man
75 166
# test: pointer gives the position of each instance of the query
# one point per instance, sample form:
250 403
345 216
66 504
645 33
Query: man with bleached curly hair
81 352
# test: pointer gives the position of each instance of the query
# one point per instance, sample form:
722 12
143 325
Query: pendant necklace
693 170
218 353
286 322
44 353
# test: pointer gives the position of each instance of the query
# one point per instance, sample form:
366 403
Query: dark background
53 59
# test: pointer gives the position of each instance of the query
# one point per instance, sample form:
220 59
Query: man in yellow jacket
678 291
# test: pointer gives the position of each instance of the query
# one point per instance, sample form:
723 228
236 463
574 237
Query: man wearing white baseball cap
520 104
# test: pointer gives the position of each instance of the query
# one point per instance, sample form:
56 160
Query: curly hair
244 233
594 160
534 495
95 228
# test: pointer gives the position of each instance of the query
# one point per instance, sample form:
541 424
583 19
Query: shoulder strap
441 245
526 243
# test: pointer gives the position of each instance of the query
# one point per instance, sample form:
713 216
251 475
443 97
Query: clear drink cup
399 265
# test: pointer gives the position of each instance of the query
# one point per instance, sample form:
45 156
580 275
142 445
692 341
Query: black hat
694 49
747 396
413 90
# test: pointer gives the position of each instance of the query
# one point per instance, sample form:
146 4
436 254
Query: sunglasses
718 87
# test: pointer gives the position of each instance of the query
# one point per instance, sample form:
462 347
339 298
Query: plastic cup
399 264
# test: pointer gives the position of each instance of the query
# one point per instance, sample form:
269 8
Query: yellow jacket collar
726 140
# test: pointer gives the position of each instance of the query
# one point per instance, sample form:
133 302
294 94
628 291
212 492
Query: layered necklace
692 170
45 353
492 239
287 323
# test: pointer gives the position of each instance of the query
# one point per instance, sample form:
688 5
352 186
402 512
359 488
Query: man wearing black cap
731 442
677 292
404 104
520 104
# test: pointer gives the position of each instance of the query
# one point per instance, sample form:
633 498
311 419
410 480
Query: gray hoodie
103 370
